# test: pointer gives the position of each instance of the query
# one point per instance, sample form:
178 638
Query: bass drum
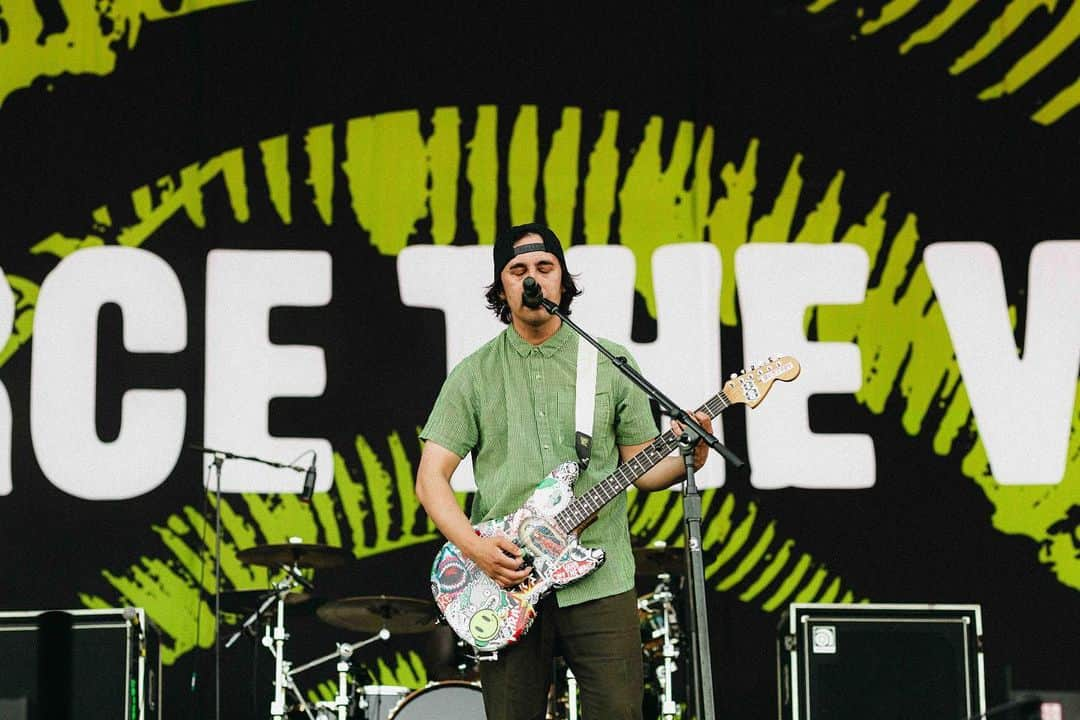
449 700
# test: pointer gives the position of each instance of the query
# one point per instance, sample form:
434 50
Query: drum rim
394 689
432 686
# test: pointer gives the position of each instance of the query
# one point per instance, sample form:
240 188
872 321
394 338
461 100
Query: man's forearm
663 475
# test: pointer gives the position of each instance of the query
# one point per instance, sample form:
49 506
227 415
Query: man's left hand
701 450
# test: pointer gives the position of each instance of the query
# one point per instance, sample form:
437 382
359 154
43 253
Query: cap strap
531 247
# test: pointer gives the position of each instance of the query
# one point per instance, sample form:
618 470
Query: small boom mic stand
218 458
703 702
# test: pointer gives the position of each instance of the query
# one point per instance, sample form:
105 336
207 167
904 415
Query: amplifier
79 663
852 662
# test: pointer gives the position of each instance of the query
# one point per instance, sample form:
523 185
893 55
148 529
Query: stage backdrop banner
265 228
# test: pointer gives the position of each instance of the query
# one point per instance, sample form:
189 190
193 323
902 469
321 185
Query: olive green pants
600 641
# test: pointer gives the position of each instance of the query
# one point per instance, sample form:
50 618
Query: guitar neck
578 512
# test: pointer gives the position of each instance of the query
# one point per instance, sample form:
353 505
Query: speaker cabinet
888 662
79 664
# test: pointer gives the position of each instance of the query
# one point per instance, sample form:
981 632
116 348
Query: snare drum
378 701
448 700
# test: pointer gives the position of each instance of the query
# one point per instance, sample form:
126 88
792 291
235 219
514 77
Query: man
511 404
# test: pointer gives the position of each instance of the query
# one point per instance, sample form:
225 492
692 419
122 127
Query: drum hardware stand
343 654
701 701
669 710
571 695
274 640
276 644
341 702
662 597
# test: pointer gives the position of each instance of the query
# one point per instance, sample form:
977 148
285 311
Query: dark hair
497 302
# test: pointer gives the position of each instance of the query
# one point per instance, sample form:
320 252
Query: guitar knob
733 376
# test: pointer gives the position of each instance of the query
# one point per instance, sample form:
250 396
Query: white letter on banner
244 370
683 362
452 279
7 318
1023 408
776 283
63 369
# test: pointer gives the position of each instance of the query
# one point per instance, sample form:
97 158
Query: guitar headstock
750 387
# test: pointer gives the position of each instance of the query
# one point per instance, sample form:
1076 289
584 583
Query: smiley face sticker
484 625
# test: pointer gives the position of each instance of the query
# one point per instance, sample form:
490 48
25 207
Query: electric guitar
547 527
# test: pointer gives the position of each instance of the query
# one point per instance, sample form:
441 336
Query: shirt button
541 413
538 376
547 447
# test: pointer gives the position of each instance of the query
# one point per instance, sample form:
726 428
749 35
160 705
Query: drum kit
379 616
455 690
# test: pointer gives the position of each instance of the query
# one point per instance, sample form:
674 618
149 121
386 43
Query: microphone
309 482
531 294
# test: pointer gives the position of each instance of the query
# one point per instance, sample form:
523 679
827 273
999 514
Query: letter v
1022 407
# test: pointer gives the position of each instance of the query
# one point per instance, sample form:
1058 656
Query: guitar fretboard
582 508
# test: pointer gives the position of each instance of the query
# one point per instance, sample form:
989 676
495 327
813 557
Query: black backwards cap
505 250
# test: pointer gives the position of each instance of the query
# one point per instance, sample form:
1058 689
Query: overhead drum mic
531 295
309 482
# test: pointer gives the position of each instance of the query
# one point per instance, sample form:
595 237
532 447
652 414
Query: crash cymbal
399 615
301 554
657 559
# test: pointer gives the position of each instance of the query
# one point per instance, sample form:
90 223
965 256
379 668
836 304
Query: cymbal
399 615
657 559
301 554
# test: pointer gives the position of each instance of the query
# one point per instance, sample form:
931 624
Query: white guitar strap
585 401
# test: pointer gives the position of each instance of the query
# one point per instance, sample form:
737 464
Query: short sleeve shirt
511 405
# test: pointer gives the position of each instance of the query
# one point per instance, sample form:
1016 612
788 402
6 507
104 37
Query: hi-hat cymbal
399 615
300 554
657 559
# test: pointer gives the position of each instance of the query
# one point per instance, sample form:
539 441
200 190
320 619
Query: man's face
541 266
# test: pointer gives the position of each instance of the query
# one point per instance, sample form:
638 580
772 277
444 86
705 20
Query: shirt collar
547 348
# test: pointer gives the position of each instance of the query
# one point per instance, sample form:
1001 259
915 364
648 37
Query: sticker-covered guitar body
489 617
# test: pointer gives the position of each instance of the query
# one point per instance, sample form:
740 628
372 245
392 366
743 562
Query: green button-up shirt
511 405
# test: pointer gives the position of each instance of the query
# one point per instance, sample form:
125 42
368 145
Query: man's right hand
500 559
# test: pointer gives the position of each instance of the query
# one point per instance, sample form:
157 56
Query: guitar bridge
485 657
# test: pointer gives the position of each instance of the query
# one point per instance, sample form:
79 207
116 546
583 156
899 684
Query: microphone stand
225 455
218 459
703 705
